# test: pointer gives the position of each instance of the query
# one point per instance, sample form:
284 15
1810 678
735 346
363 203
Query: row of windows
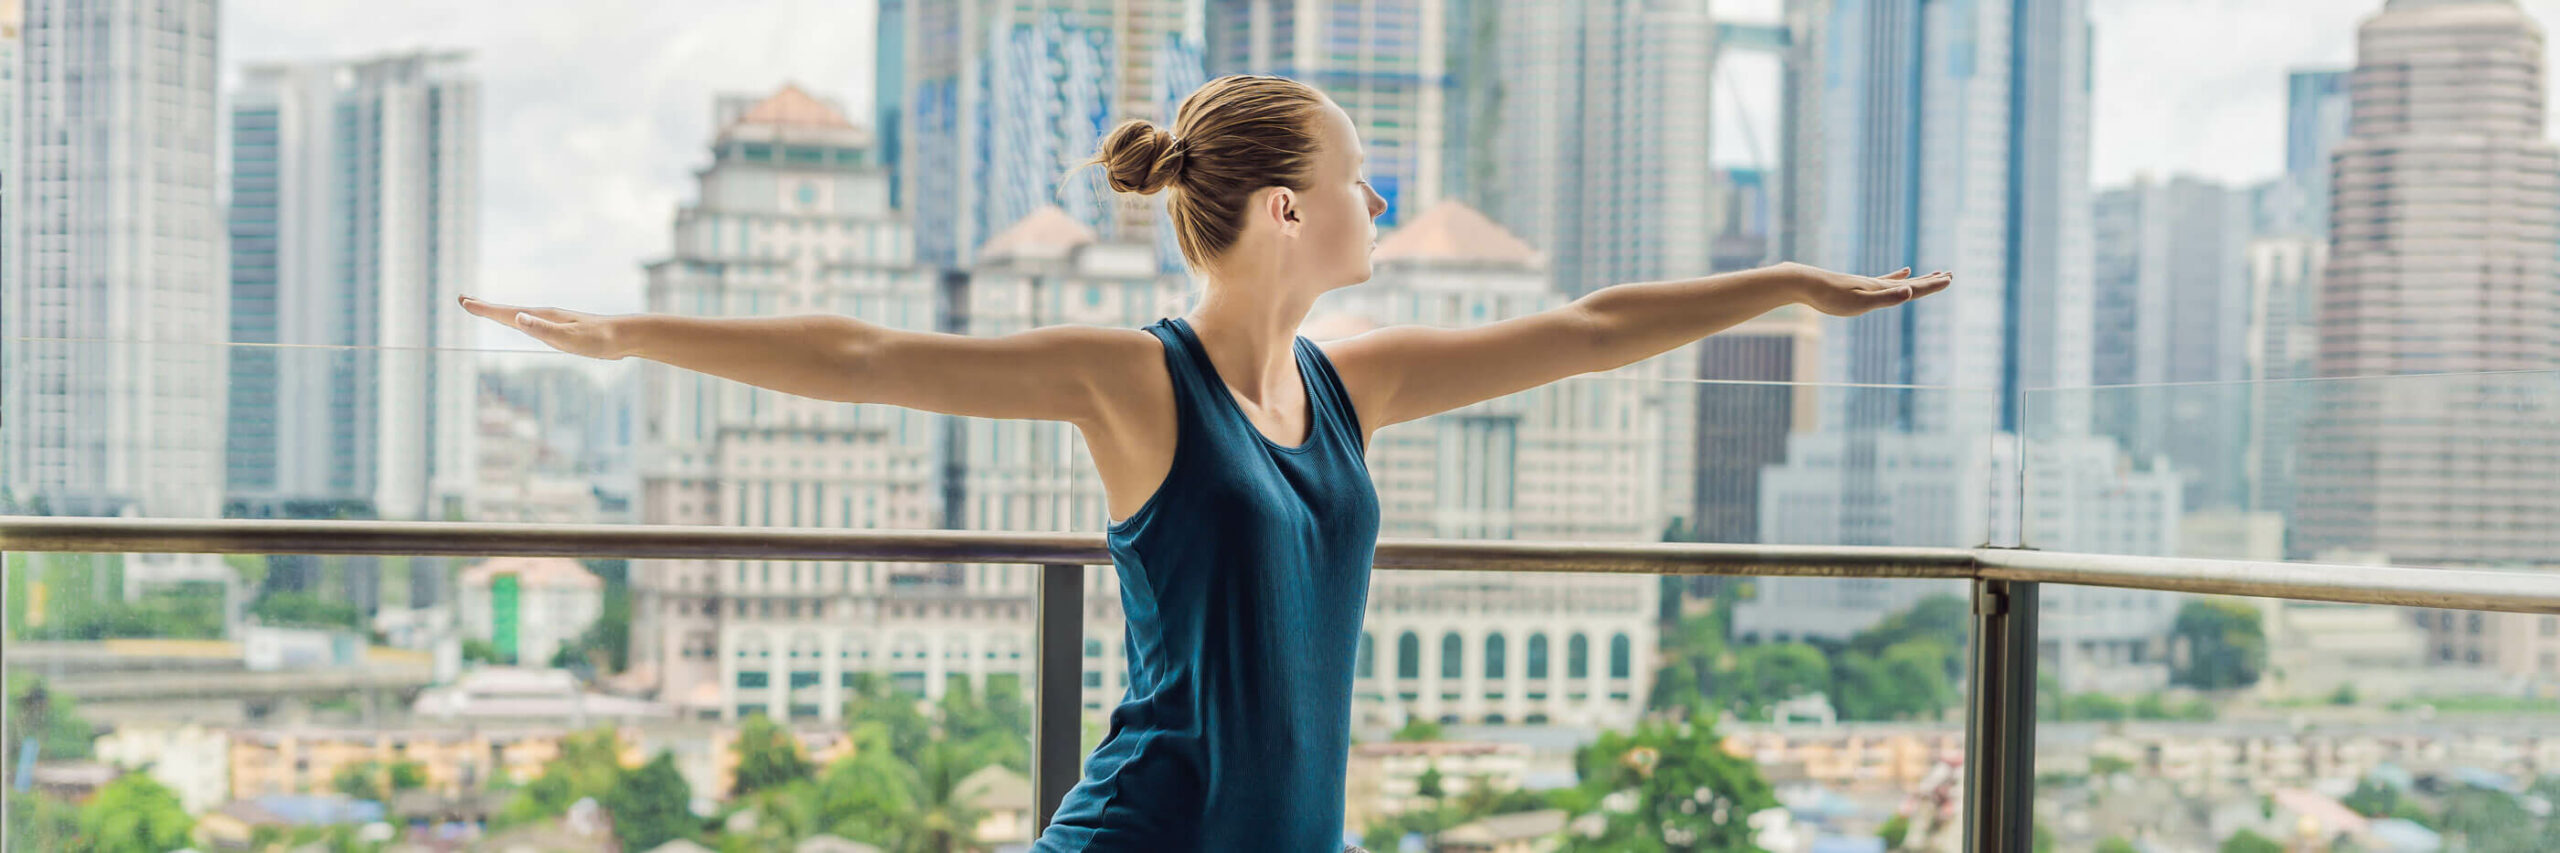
1453 656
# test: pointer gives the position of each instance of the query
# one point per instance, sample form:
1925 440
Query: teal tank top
1244 579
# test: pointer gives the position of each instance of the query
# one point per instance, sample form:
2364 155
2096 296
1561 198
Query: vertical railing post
1057 724
2000 724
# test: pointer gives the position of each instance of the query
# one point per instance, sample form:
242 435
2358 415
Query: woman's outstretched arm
1053 373
1403 373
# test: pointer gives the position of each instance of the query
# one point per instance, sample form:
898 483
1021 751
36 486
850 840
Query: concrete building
12 19
354 221
520 477
116 136
2446 205
2283 340
1582 127
1385 777
1587 459
791 217
2173 283
2316 112
529 607
995 101
192 760
1757 391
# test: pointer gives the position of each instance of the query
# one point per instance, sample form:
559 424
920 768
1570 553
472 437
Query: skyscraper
1384 61
889 94
1000 101
10 17
2048 288
2173 284
115 238
1583 126
1914 138
2316 108
2446 208
355 224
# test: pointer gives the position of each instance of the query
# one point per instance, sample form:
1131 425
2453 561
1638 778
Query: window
751 680
1577 657
1493 657
1408 656
1453 653
1537 656
1619 652
1367 666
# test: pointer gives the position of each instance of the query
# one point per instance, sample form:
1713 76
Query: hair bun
1142 158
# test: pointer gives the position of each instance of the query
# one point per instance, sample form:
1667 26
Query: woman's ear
1282 208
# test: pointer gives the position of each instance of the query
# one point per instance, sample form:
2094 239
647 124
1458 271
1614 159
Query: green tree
589 765
358 780
941 823
651 805
304 609
2488 820
875 700
2224 645
1418 730
1945 620
768 756
2097 707
871 792
408 776
1766 675
40 822
1693 655
1428 784
480 651
1690 795
2116 845
2245 841
605 645
53 720
1895 829
134 814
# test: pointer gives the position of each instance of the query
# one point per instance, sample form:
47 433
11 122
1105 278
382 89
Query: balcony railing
2001 693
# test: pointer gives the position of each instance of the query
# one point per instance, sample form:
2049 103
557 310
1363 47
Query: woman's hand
1844 295
590 335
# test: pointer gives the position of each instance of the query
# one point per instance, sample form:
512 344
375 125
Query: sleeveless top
1244 579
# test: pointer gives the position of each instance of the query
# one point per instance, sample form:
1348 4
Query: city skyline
604 124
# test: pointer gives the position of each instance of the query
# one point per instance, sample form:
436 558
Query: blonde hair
1232 137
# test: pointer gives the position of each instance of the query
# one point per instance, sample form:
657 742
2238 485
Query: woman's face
1339 213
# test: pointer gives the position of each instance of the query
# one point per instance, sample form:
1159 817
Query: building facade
2446 206
354 222
115 137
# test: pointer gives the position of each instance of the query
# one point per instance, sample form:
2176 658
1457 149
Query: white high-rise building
355 224
1578 460
792 216
1585 128
10 18
115 237
2175 291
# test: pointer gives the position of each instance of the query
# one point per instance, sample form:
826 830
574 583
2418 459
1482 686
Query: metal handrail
2000 696
2464 589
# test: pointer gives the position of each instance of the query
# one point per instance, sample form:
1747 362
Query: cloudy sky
596 111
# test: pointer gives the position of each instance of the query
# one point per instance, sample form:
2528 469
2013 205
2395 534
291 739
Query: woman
1230 449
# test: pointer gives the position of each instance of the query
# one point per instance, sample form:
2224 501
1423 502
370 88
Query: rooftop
1451 232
